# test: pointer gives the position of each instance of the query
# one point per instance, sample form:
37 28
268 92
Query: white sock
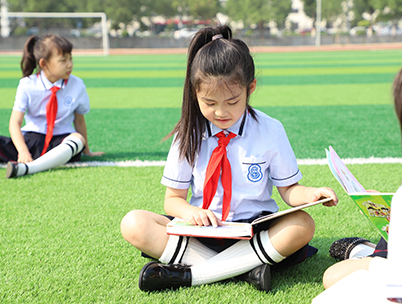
197 253
360 251
58 156
174 249
237 259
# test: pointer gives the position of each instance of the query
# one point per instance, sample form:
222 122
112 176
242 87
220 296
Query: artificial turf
61 240
59 230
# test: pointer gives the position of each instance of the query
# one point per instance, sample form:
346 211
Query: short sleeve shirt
260 157
33 93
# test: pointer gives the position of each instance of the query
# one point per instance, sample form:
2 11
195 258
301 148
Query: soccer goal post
102 16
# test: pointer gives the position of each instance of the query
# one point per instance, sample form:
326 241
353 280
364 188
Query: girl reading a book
231 156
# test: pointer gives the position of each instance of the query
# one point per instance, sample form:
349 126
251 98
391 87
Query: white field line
306 162
353 161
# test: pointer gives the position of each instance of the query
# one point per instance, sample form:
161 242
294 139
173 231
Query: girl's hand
324 192
24 157
205 217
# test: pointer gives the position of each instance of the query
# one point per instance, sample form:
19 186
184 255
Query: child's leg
146 231
185 250
341 269
58 156
287 235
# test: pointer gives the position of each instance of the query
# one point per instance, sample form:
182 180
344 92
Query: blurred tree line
259 12
357 12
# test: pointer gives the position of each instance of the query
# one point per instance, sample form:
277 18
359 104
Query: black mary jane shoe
11 169
155 276
259 277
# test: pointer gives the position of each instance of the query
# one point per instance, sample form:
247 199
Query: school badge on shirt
68 100
254 173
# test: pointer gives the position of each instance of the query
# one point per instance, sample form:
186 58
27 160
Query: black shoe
341 248
155 276
11 169
259 277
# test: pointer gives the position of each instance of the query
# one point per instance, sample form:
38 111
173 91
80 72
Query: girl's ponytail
203 37
28 62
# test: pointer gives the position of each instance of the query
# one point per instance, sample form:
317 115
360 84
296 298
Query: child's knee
305 221
80 137
335 273
132 226
330 277
128 224
77 138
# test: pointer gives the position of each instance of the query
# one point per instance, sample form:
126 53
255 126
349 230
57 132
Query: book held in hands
375 206
229 230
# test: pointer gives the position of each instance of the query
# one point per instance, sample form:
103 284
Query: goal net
85 30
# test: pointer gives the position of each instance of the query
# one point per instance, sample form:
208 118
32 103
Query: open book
229 230
375 206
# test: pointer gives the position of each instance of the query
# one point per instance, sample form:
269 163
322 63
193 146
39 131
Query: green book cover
377 209
375 206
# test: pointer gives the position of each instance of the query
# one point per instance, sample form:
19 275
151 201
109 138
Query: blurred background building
166 23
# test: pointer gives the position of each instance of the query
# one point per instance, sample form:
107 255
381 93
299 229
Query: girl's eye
233 103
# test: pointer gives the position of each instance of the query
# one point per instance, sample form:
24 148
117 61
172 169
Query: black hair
37 48
211 57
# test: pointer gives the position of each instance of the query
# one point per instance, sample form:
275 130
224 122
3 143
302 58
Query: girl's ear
253 86
42 63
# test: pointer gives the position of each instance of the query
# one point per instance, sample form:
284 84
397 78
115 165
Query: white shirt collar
61 83
237 128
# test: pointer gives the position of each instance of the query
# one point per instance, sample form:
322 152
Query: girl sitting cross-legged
231 156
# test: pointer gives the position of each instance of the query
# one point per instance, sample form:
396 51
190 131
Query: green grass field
59 230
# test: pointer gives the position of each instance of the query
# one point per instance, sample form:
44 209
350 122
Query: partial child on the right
357 253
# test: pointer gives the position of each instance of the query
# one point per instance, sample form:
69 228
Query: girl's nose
220 111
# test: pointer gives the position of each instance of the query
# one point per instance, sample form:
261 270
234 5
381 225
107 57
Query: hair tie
219 36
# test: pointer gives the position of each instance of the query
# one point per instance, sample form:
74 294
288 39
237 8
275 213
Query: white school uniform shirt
260 157
33 93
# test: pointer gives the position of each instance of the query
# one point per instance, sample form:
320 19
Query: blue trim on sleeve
282 179
177 181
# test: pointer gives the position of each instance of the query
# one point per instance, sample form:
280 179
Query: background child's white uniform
33 93
260 157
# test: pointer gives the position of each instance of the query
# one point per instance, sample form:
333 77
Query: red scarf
217 163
